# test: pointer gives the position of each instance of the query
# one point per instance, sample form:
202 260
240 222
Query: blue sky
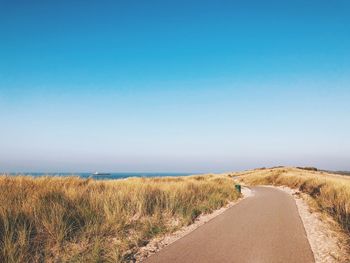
193 86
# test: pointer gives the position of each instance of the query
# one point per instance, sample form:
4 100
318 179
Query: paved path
263 228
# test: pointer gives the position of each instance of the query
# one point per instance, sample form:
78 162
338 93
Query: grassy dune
76 220
330 192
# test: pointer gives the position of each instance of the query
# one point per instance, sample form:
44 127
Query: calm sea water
111 176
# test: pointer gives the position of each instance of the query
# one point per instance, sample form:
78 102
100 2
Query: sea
111 176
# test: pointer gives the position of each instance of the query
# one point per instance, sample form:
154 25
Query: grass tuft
70 219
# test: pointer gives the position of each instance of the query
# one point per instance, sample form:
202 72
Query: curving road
263 228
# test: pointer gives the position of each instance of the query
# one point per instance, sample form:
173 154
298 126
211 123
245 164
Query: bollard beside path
238 188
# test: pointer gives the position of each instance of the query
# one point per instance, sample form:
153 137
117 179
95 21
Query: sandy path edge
326 243
157 244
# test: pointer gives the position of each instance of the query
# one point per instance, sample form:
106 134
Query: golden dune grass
330 192
75 220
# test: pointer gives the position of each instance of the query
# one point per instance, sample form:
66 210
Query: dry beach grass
82 220
52 219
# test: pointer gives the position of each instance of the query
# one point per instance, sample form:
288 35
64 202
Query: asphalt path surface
262 228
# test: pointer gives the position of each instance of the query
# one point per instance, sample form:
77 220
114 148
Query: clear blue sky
174 85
